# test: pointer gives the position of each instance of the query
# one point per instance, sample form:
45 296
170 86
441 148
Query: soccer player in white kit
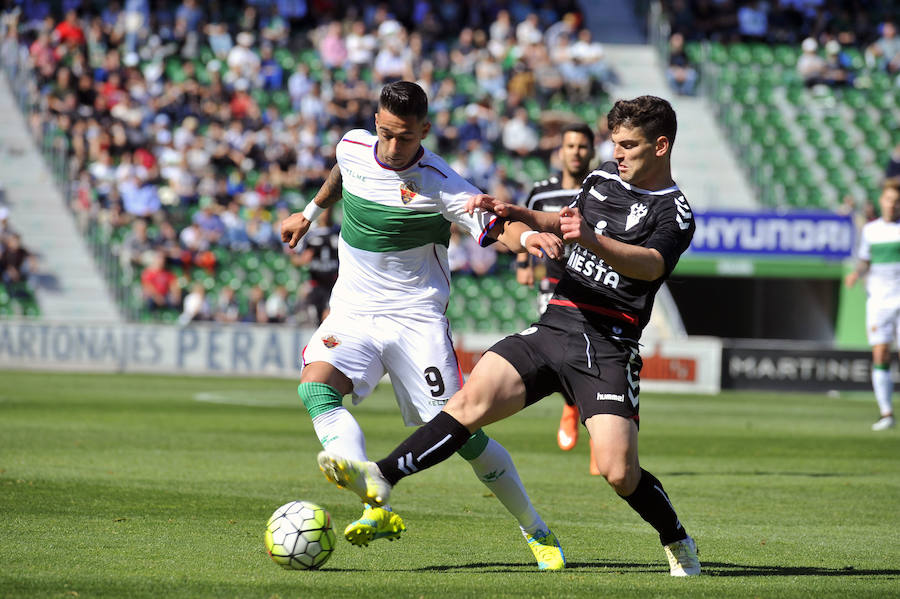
879 258
389 302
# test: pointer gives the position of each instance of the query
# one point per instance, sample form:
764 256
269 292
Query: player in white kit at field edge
879 259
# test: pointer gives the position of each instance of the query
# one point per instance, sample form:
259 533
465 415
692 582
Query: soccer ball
299 536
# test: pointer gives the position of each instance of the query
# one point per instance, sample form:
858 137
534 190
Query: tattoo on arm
330 192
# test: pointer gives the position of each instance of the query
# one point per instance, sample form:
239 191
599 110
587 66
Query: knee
616 476
620 475
466 407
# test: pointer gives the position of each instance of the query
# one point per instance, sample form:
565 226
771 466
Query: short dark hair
579 128
404 99
653 115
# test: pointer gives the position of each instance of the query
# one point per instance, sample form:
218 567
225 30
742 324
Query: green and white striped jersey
880 246
396 230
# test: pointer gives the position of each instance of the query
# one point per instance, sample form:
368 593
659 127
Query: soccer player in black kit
629 225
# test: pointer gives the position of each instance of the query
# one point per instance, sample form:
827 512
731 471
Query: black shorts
599 374
319 297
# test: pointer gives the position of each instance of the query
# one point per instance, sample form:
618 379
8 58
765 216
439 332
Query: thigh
494 391
352 345
602 376
419 357
536 354
881 322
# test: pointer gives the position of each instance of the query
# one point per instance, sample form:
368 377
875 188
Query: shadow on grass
766 473
709 569
726 569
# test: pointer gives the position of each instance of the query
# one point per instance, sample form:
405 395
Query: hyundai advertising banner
792 235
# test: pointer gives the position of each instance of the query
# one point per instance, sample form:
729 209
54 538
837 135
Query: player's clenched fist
293 228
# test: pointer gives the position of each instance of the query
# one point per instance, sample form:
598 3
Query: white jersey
396 230
880 246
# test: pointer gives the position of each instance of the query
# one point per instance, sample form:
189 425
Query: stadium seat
282 101
285 59
786 55
740 53
717 53
837 142
535 168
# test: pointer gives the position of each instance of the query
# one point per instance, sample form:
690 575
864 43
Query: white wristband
312 211
525 236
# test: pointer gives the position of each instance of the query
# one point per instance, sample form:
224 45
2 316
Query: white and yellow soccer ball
299 536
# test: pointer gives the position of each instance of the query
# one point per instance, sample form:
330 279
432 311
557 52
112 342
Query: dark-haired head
581 128
401 123
404 99
654 116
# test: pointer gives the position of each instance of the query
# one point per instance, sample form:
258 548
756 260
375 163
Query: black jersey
549 196
593 293
323 241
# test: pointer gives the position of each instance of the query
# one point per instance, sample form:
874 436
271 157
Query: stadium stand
209 124
808 102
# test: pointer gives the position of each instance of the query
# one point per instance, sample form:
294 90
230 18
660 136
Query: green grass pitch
140 486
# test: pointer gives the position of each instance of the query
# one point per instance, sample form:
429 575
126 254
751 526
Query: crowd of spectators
208 123
823 30
851 22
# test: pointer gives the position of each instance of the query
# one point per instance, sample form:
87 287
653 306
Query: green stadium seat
492 288
261 97
762 54
717 53
694 51
786 55
285 59
589 112
282 101
467 85
205 54
740 53
534 109
535 168
202 75
881 81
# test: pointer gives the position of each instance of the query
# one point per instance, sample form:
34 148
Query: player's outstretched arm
519 238
294 227
547 222
633 261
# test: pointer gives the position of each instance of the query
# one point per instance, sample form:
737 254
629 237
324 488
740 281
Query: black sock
431 444
651 502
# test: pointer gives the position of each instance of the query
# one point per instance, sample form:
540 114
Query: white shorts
417 354
882 322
